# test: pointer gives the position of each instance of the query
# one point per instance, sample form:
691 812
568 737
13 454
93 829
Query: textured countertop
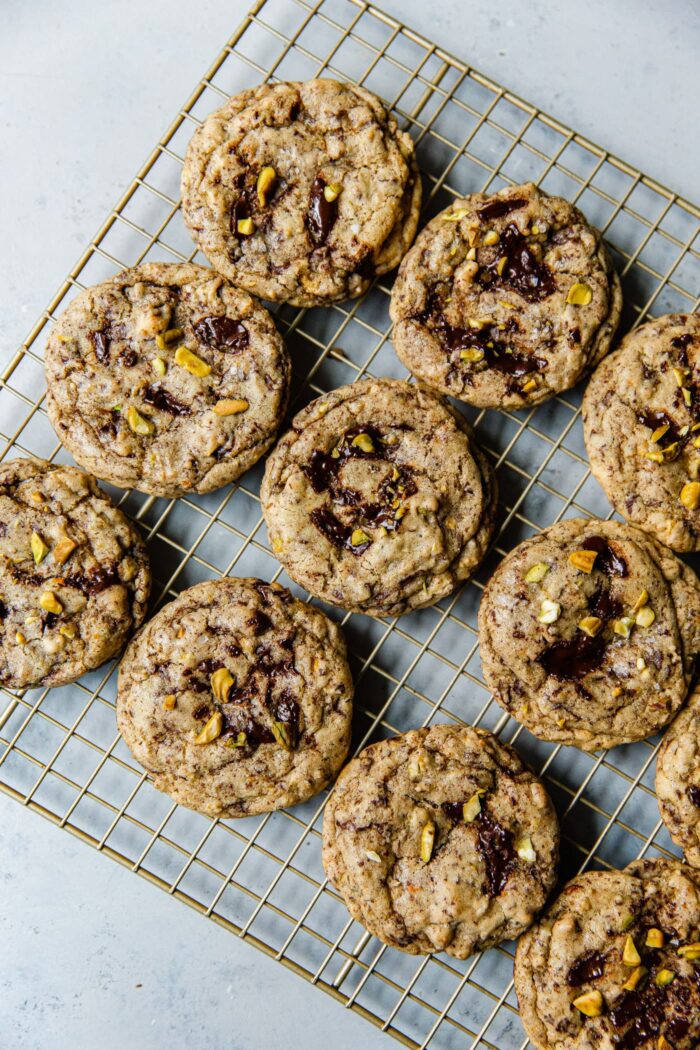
92 956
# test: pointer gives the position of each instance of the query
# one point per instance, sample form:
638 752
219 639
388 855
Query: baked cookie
74 575
166 379
237 698
641 423
614 964
588 633
441 840
378 499
505 300
302 192
678 779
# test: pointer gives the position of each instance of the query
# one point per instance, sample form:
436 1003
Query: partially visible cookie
641 422
378 499
166 379
588 633
441 840
615 962
678 779
505 300
74 574
237 698
301 192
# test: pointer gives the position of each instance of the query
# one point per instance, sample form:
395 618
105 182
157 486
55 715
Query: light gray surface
86 90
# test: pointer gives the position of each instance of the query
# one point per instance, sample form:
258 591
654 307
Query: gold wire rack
262 878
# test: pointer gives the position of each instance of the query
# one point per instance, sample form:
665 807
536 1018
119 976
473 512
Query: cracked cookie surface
441 840
505 300
588 633
74 574
378 499
641 421
237 698
166 379
302 192
678 779
615 962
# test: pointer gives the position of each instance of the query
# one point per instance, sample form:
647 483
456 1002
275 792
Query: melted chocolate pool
322 213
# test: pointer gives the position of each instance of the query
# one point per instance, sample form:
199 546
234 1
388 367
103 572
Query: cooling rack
261 878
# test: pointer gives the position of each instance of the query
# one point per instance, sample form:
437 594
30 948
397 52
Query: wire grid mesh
262 877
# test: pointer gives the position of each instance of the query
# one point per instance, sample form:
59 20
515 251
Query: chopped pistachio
221 684
528 387
690 951
687 396
590 625
245 227
372 855
501 264
641 600
159 366
359 536
655 938
169 701
580 294
635 978
472 808
663 1043
277 545
281 735
630 955
645 617
537 572
68 630
50 603
19 638
240 741
490 238
627 922
471 354
231 406
590 1004
583 560
690 495
138 423
363 442
332 191
63 549
549 611
624 626
266 180
659 433
195 365
39 548
427 841
455 216
471 254
525 850
655 457
32 618
679 375
211 730
641 663
617 691
166 339
664 977
37 497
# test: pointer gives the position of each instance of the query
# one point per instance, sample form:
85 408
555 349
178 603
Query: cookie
237 698
588 633
302 192
641 423
615 962
378 499
74 575
678 779
441 840
166 379
505 300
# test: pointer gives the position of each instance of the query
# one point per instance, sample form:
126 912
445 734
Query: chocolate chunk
573 660
454 811
608 561
223 333
522 271
495 844
259 622
101 341
162 399
240 210
322 213
333 529
604 606
693 793
587 968
653 420
496 209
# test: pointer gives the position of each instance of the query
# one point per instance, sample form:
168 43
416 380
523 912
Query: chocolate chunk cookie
237 698
441 840
641 420
166 379
302 192
505 300
615 962
74 575
378 499
588 633
678 779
